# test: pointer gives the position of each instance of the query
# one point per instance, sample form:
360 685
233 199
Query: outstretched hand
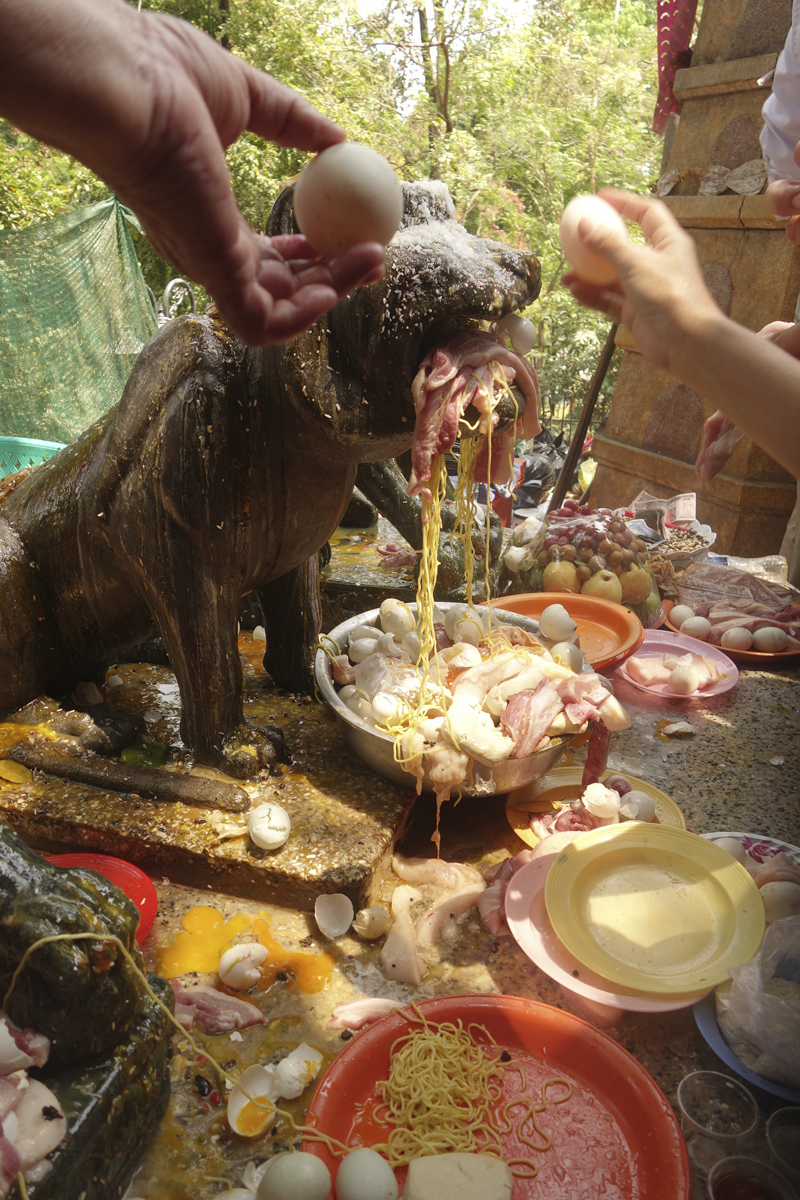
661 294
783 200
151 104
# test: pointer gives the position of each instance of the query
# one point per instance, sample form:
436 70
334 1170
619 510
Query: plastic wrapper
705 583
592 553
758 1012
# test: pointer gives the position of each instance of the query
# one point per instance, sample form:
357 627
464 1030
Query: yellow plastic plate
562 785
654 908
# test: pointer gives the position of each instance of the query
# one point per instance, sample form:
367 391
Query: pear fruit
605 585
560 577
636 585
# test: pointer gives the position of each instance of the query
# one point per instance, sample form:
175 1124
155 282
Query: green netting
74 314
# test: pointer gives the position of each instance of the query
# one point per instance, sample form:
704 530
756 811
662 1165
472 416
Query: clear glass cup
718 1117
740 1178
783 1139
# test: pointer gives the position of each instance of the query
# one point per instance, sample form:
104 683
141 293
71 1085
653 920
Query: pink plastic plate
137 886
661 641
528 921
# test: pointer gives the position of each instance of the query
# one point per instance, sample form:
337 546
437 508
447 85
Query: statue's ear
281 217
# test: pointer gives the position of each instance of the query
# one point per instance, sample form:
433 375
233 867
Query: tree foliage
516 104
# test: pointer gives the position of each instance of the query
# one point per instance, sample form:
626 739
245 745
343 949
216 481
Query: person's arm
150 104
663 299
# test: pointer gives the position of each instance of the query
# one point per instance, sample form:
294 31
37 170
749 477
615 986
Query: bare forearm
753 381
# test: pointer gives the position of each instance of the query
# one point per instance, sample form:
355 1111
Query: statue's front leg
292 621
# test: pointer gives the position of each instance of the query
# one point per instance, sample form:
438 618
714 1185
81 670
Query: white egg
244 1117
680 613
239 967
733 847
456 613
360 704
568 655
521 331
584 262
696 627
385 707
371 923
637 806
295 1175
333 914
371 632
396 617
781 899
347 691
364 1175
556 624
684 681
736 639
361 649
269 826
769 640
347 194
466 630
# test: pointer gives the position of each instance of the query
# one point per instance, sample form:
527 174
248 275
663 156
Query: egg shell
346 195
333 914
601 801
296 1071
456 613
295 1176
371 923
239 967
556 624
736 639
769 640
585 263
364 1175
638 806
269 826
680 613
696 627
245 1118
733 847
568 654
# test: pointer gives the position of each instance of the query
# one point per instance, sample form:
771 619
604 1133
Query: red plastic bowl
137 886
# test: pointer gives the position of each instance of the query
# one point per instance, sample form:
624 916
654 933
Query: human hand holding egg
656 290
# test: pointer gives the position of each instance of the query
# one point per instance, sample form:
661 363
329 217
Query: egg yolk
311 971
252 1118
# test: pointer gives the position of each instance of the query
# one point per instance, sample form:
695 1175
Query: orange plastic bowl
617 1124
608 632
137 886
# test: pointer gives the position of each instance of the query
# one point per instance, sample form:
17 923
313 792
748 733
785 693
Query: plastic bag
591 552
759 1011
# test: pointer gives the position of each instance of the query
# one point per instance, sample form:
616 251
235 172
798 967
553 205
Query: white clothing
781 111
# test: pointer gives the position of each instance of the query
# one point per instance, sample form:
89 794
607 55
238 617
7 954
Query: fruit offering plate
657 642
607 632
562 785
751 656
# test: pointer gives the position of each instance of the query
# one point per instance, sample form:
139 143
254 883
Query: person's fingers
355 265
774 328
783 197
656 221
604 300
284 116
609 243
793 230
293 246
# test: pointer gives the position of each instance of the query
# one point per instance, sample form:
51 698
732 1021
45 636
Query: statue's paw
253 749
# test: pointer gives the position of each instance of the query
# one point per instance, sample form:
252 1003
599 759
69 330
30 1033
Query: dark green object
112 1108
74 315
146 756
83 995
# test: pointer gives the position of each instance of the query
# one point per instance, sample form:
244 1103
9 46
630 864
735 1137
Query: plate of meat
663 656
730 616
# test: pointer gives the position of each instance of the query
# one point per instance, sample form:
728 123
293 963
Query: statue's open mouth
472 384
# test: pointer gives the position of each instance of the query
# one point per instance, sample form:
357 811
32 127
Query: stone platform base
345 819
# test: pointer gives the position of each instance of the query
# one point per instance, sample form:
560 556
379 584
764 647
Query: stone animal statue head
223 470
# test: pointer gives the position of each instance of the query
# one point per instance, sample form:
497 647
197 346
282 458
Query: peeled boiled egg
371 923
696 627
769 640
347 194
568 655
637 806
364 1175
521 331
269 826
396 617
679 614
556 624
295 1175
736 639
584 262
601 801
781 899
684 681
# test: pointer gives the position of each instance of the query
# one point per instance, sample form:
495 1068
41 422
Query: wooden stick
584 421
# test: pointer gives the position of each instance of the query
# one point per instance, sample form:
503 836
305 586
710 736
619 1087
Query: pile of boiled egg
768 640
295 1175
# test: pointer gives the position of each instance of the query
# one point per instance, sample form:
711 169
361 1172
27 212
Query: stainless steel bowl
375 748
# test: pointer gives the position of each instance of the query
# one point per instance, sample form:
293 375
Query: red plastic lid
137 886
